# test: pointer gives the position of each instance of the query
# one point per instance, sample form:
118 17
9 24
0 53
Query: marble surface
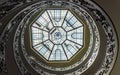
112 7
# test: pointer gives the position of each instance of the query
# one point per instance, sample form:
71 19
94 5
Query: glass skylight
57 35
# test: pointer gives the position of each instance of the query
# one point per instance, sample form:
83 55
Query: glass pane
58 54
71 21
57 15
43 50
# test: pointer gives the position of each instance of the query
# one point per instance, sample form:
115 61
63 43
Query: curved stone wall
101 31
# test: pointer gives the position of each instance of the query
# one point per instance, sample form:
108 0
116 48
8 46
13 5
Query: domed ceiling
57 37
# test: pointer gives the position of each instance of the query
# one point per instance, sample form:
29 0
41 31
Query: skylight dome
57 35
